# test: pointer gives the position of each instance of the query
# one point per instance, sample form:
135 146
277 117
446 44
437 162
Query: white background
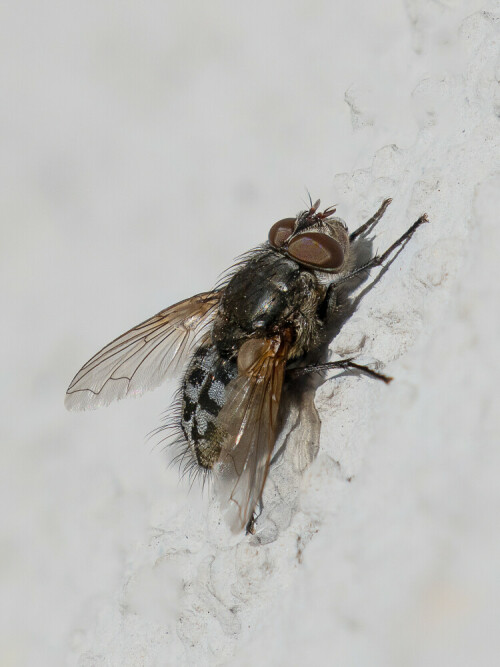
144 145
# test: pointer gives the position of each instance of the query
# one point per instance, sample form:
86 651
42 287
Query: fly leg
332 365
250 527
379 260
370 224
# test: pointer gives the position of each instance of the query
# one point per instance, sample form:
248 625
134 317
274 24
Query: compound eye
317 250
280 231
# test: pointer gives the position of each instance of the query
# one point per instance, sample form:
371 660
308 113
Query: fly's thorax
267 293
203 396
305 322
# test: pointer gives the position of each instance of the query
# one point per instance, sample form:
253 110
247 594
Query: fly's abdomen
203 395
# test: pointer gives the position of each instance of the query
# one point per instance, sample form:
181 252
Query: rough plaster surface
385 550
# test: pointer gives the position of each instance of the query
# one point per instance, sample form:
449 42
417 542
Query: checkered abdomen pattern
203 395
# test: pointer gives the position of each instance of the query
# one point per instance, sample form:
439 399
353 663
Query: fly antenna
310 198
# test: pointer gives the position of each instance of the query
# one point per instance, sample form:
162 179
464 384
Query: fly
240 343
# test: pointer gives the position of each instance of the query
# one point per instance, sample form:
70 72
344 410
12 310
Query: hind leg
335 365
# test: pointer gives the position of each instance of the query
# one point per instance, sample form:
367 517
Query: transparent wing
139 359
249 423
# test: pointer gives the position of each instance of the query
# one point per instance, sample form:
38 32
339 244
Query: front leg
369 225
379 260
329 305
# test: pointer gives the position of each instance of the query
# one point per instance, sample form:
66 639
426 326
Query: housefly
241 342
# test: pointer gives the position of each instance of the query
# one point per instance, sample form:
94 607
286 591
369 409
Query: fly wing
248 421
139 359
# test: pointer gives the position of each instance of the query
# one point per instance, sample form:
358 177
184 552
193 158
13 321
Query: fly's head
315 240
